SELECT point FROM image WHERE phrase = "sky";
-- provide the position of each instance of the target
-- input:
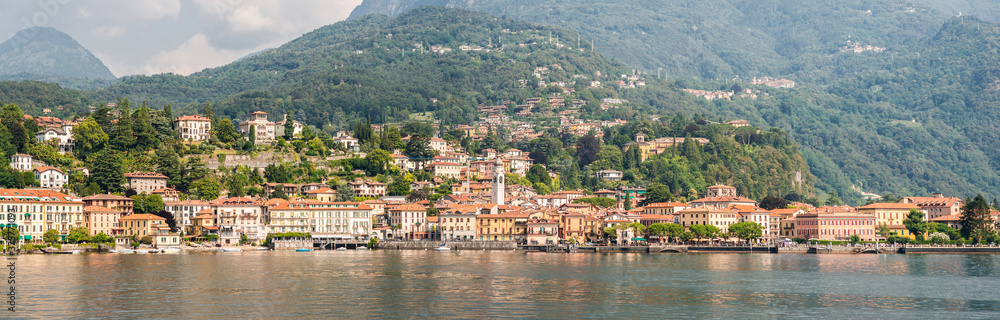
(173, 36)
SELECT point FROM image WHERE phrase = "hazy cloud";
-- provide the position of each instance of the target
(179, 36)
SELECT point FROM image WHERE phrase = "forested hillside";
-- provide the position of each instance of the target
(714, 39)
(906, 121)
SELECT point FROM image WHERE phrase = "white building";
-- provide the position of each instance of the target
(266, 131)
(193, 128)
(51, 178)
(21, 162)
(63, 135)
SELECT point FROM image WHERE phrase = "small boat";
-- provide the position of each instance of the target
(262, 249)
(342, 249)
(303, 250)
(171, 250)
(75, 252)
(141, 251)
(231, 250)
(127, 251)
(112, 251)
(443, 247)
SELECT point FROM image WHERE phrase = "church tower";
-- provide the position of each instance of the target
(498, 182)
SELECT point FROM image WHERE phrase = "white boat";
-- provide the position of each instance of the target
(75, 252)
(171, 250)
(141, 251)
(231, 250)
(112, 251)
(342, 249)
(127, 251)
(442, 248)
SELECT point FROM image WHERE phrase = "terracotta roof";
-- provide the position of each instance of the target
(107, 197)
(951, 217)
(142, 216)
(99, 209)
(890, 206)
(193, 118)
(202, 216)
(718, 186)
(409, 207)
(43, 169)
(145, 175)
(321, 190)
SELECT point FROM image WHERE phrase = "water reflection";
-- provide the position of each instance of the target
(485, 284)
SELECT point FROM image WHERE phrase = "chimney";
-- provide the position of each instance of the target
(937, 195)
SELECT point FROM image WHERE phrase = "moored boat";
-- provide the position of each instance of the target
(303, 250)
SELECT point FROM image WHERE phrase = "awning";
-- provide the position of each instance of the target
(27, 237)
(638, 239)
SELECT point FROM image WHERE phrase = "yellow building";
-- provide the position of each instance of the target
(891, 215)
(708, 215)
(501, 227)
(142, 224)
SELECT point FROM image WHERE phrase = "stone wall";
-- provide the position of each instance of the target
(454, 245)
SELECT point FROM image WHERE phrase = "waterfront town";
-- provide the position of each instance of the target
(424, 187)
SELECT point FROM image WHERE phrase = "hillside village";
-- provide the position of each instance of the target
(414, 182)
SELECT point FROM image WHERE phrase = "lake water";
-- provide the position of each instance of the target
(493, 284)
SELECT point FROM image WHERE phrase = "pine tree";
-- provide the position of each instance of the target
(976, 220)
(289, 126)
(124, 137)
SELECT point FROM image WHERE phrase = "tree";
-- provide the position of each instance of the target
(13, 119)
(608, 158)
(915, 223)
(124, 138)
(657, 193)
(289, 126)
(771, 203)
(170, 220)
(419, 148)
(107, 170)
(345, 193)
(414, 128)
(225, 130)
(147, 203)
(51, 236)
(253, 136)
(597, 201)
(145, 134)
(207, 188)
(628, 203)
(278, 193)
(88, 138)
(666, 230)
(747, 230)
(938, 237)
(102, 238)
(78, 235)
(400, 185)
(168, 164)
(834, 199)
(855, 239)
(542, 189)
(976, 221)
(11, 235)
(378, 161)
(883, 230)
(278, 173)
(587, 148)
(538, 174)
(391, 139)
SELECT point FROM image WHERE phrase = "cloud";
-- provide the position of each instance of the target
(109, 31)
(248, 18)
(152, 36)
(194, 55)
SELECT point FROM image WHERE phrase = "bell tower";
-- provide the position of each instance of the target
(498, 182)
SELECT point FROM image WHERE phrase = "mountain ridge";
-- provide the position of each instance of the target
(50, 52)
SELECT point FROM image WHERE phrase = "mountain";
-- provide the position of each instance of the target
(442, 64)
(46, 51)
(713, 39)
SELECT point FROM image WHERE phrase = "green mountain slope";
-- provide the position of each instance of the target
(713, 39)
(46, 51)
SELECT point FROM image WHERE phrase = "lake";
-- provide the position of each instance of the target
(498, 284)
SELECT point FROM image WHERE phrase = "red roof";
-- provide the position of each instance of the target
(145, 175)
(43, 169)
(193, 118)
